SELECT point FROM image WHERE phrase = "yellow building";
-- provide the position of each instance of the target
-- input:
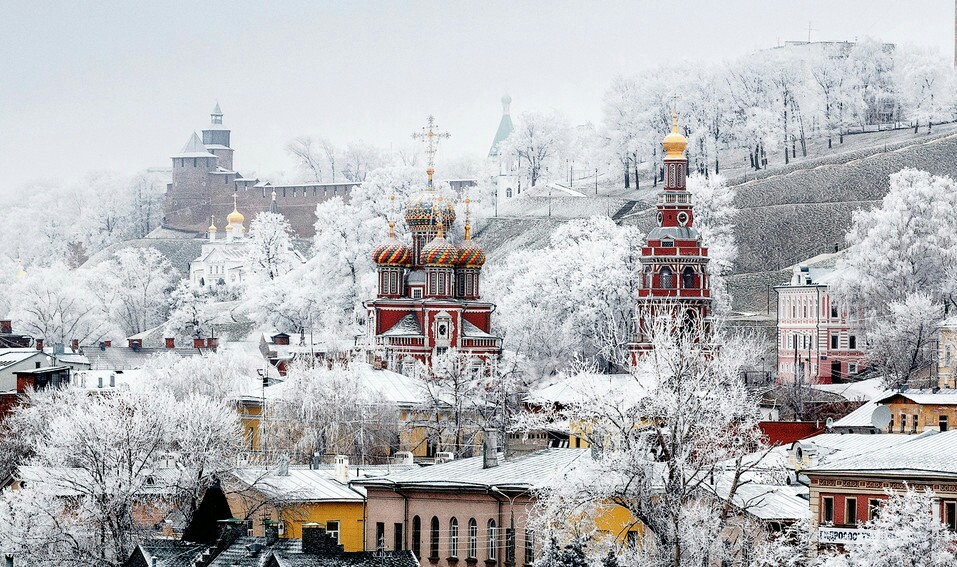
(916, 411)
(294, 496)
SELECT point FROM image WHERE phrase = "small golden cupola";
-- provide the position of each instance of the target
(235, 220)
(674, 143)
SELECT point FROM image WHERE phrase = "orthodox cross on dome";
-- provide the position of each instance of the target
(430, 136)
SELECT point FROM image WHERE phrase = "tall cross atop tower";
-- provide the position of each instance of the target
(430, 136)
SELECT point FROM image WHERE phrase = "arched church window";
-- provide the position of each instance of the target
(664, 278)
(687, 278)
(508, 193)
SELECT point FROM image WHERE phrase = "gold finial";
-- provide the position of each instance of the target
(468, 219)
(674, 123)
(21, 273)
(212, 224)
(439, 228)
(391, 229)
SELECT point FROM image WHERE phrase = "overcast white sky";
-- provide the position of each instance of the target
(120, 85)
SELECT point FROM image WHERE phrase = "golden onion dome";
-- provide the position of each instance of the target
(392, 252)
(427, 209)
(212, 225)
(440, 252)
(235, 218)
(674, 143)
(470, 253)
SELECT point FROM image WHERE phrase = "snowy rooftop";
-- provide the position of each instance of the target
(385, 386)
(769, 501)
(580, 388)
(9, 356)
(929, 454)
(856, 391)
(300, 485)
(944, 397)
(539, 469)
(831, 447)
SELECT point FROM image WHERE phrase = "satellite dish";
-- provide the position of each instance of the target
(881, 417)
(829, 424)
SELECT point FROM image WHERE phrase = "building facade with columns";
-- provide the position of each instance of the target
(674, 275)
(819, 339)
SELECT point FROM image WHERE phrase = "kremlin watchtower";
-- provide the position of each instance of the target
(428, 293)
(674, 262)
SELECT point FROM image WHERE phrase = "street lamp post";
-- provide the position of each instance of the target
(509, 546)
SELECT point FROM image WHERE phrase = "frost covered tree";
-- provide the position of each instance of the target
(102, 469)
(574, 298)
(134, 288)
(190, 314)
(660, 446)
(714, 216)
(270, 245)
(331, 410)
(900, 266)
(904, 534)
(537, 142)
(55, 304)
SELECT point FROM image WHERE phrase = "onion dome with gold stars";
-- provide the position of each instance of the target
(470, 254)
(674, 143)
(392, 252)
(440, 252)
(428, 208)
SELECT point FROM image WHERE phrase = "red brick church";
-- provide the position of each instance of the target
(428, 297)
(674, 278)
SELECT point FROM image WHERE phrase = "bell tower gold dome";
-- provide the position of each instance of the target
(674, 143)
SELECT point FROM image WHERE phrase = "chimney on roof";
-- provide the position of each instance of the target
(199, 343)
(342, 469)
(490, 450)
(212, 342)
(6, 327)
(170, 342)
(75, 345)
(107, 344)
(283, 469)
(39, 344)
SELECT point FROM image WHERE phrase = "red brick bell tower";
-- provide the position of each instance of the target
(674, 262)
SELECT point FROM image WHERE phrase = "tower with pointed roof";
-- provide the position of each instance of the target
(428, 291)
(216, 138)
(674, 260)
(504, 167)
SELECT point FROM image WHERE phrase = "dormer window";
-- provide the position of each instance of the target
(667, 243)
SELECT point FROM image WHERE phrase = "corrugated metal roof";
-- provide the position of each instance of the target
(300, 485)
(539, 469)
(9, 356)
(864, 390)
(917, 455)
(861, 417)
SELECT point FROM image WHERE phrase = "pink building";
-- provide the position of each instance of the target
(818, 338)
(463, 512)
